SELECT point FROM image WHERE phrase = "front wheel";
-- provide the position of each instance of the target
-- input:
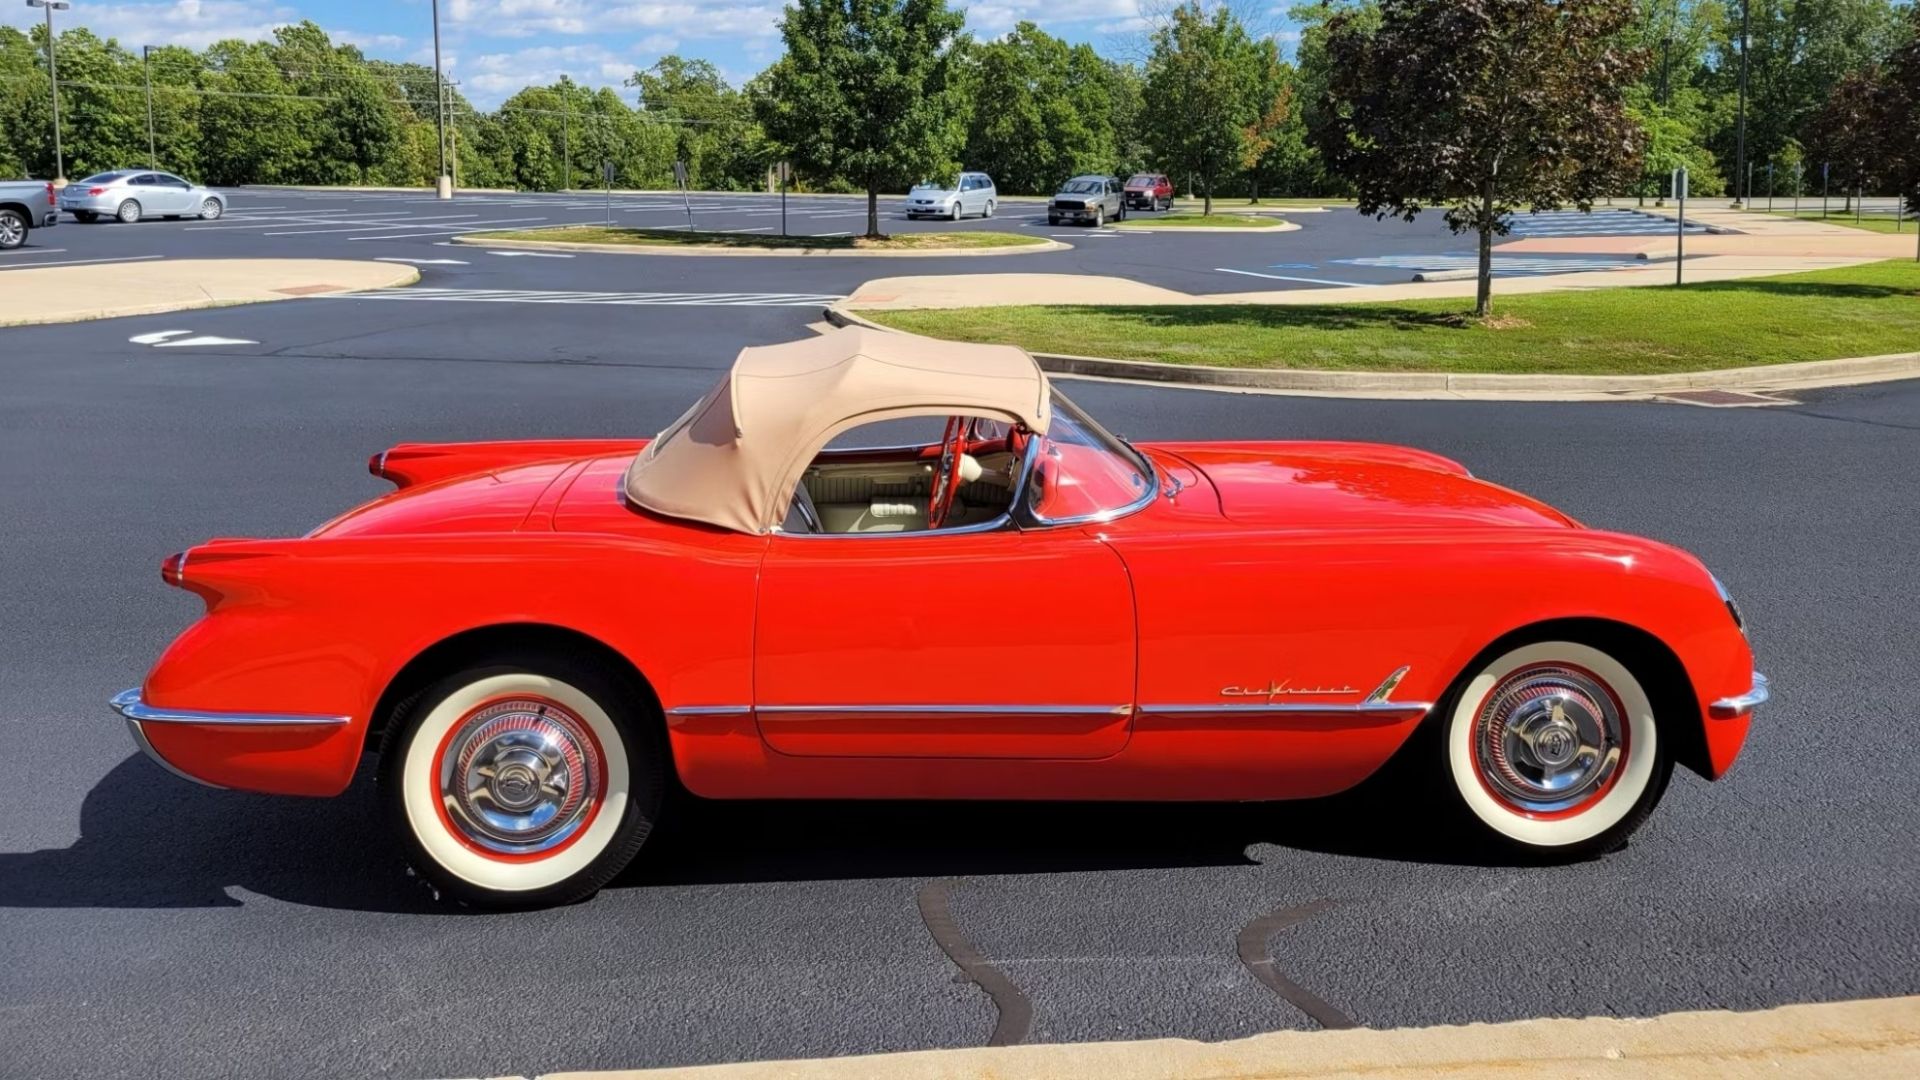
(1099, 216)
(1552, 748)
(524, 783)
(129, 212)
(211, 209)
(988, 212)
(953, 214)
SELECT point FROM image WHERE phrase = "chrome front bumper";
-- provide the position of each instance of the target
(1730, 708)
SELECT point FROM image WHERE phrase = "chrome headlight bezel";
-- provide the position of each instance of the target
(1733, 609)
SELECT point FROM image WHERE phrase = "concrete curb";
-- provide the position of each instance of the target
(1879, 1037)
(1843, 372)
(1204, 230)
(480, 240)
(38, 292)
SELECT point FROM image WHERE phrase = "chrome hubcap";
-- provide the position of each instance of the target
(520, 777)
(1548, 738)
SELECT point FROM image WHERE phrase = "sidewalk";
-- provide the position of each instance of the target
(57, 294)
(1879, 1037)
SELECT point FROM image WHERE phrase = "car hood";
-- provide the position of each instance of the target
(1326, 485)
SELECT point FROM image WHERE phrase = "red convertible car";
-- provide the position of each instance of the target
(542, 639)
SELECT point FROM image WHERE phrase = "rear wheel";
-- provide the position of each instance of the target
(85, 217)
(524, 782)
(128, 212)
(13, 229)
(1553, 748)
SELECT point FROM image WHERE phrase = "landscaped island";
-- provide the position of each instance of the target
(1865, 310)
(683, 238)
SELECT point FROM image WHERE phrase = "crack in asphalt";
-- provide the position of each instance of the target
(1255, 953)
(1009, 1001)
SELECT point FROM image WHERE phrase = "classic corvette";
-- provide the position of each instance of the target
(542, 640)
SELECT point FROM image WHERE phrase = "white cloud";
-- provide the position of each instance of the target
(492, 77)
(194, 24)
(736, 19)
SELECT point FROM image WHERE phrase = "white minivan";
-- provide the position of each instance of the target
(969, 193)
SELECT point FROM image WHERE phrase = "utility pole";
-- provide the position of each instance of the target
(1740, 137)
(146, 66)
(443, 187)
(53, 76)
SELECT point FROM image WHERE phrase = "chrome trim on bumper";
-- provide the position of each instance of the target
(1730, 708)
(140, 739)
(128, 704)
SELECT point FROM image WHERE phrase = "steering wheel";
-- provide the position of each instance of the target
(946, 476)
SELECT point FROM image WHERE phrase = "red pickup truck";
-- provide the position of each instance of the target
(1149, 191)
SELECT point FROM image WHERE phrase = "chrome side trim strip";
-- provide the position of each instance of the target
(140, 739)
(128, 704)
(710, 710)
(1731, 708)
(1363, 708)
(947, 710)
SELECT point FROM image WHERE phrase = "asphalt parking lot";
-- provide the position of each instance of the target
(1331, 248)
(156, 928)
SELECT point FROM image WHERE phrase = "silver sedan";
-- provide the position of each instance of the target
(131, 194)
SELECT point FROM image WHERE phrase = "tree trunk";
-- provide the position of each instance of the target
(1206, 189)
(1483, 297)
(873, 212)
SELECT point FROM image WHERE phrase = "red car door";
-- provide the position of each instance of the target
(1002, 644)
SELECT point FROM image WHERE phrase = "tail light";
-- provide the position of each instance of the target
(96, 191)
(50, 199)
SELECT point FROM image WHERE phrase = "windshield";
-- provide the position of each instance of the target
(941, 185)
(1142, 180)
(1082, 471)
(1081, 187)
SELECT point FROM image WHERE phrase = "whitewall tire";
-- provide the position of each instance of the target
(1552, 747)
(522, 785)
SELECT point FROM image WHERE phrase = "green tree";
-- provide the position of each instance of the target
(1041, 111)
(1483, 107)
(1203, 80)
(703, 121)
(866, 91)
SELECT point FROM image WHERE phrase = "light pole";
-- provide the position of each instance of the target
(444, 186)
(53, 76)
(1740, 137)
(146, 66)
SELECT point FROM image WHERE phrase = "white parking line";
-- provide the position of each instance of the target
(80, 262)
(33, 251)
(365, 225)
(420, 262)
(1283, 277)
(442, 232)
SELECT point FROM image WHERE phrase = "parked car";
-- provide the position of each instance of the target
(1094, 200)
(1149, 191)
(25, 205)
(968, 194)
(131, 194)
(541, 638)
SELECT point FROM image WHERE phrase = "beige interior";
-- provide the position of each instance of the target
(735, 459)
(891, 496)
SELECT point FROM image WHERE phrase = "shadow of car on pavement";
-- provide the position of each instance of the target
(149, 840)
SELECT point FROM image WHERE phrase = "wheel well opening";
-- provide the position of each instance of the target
(461, 650)
(1675, 706)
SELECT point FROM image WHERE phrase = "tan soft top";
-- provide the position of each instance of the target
(734, 458)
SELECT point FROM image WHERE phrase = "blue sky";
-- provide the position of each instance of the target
(494, 47)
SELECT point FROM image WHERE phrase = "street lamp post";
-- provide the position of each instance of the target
(146, 66)
(444, 186)
(1740, 136)
(53, 76)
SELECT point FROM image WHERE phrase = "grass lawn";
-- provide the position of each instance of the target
(1214, 220)
(600, 234)
(1858, 311)
(1881, 223)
